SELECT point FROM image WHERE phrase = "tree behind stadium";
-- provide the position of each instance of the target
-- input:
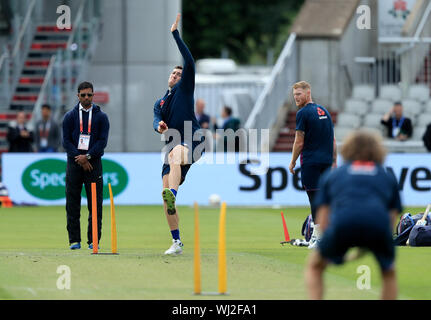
(246, 29)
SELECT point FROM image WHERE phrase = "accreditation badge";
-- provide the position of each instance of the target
(395, 132)
(43, 142)
(84, 141)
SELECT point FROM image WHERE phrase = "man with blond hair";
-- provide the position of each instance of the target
(314, 144)
(349, 219)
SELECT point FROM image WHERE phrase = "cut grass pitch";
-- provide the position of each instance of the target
(34, 243)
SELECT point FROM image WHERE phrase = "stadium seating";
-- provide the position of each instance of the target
(419, 92)
(364, 110)
(390, 92)
(381, 106)
(341, 132)
(418, 133)
(375, 130)
(356, 106)
(347, 120)
(412, 107)
(363, 92)
(424, 120)
(372, 120)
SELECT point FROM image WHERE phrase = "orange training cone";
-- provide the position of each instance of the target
(286, 233)
(6, 202)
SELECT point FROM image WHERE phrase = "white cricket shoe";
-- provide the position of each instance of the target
(314, 241)
(176, 248)
(300, 243)
(315, 237)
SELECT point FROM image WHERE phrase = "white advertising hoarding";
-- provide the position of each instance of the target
(136, 179)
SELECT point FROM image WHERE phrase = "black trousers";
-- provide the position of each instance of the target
(75, 178)
(311, 194)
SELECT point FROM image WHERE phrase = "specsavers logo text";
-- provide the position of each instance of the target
(46, 179)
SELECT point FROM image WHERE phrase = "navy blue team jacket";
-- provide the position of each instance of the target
(99, 132)
(177, 106)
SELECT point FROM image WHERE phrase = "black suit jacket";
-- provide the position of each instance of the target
(427, 138)
(17, 143)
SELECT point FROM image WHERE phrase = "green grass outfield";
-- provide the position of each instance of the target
(33, 244)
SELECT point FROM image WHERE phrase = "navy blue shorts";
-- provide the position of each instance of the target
(310, 175)
(184, 168)
(336, 240)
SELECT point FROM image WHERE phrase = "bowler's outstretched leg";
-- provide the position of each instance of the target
(171, 183)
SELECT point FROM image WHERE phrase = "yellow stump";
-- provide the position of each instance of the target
(222, 274)
(197, 254)
(113, 224)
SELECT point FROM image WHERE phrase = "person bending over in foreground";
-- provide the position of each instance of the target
(357, 205)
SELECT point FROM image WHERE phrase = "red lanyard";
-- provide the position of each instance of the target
(44, 133)
(89, 120)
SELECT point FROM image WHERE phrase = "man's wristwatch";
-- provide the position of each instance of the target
(88, 156)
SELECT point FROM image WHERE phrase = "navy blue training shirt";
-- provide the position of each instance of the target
(99, 132)
(177, 106)
(316, 122)
(357, 193)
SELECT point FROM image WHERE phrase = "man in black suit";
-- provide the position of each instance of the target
(20, 138)
(399, 127)
(426, 138)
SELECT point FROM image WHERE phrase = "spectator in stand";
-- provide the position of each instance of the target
(427, 138)
(229, 122)
(201, 116)
(47, 132)
(399, 127)
(19, 136)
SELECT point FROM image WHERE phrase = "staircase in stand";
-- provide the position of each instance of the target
(286, 135)
(47, 40)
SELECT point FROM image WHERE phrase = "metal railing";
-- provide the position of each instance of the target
(22, 45)
(395, 65)
(46, 92)
(12, 62)
(277, 90)
(212, 93)
(4, 80)
(399, 60)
